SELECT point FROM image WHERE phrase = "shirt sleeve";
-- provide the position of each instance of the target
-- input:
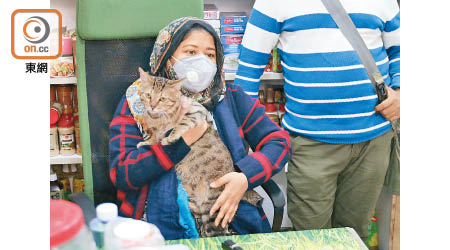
(261, 36)
(270, 144)
(391, 40)
(130, 167)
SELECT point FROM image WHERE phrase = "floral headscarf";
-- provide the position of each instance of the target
(168, 40)
(165, 45)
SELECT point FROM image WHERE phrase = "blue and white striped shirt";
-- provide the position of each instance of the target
(329, 94)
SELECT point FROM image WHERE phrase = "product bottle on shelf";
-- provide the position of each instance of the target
(55, 111)
(271, 108)
(281, 111)
(76, 122)
(106, 212)
(56, 187)
(52, 95)
(261, 96)
(66, 133)
(64, 93)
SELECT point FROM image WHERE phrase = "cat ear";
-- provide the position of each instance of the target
(142, 74)
(177, 83)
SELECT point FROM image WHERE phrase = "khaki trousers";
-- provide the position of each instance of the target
(335, 185)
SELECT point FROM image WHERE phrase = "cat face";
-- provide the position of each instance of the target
(160, 96)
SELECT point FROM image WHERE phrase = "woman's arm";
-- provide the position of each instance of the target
(270, 144)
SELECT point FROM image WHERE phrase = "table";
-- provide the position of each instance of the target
(323, 239)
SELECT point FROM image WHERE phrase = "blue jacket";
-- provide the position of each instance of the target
(147, 174)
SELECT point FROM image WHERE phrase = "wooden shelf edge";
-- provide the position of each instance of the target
(63, 159)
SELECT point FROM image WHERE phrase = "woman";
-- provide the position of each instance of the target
(145, 178)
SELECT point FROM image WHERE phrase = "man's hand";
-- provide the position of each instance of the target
(390, 108)
(227, 204)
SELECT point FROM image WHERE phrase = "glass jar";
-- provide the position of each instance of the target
(66, 135)
(52, 95)
(64, 95)
(54, 142)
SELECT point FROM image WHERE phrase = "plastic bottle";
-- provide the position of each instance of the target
(127, 233)
(67, 228)
(55, 112)
(106, 212)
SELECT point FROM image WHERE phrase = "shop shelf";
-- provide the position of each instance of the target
(64, 80)
(66, 159)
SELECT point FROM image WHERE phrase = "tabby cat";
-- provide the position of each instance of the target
(208, 159)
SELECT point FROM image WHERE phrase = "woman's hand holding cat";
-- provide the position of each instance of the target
(193, 134)
(235, 186)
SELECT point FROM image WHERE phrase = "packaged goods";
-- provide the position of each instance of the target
(270, 93)
(274, 64)
(78, 185)
(210, 11)
(372, 240)
(62, 67)
(261, 96)
(52, 94)
(276, 61)
(67, 46)
(54, 142)
(271, 112)
(74, 48)
(233, 18)
(66, 135)
(56, 187)
(269, 66)
(77, 138)
(66, 188)
(64, 93)
(231, 48)
(232, 29)
(281, 111)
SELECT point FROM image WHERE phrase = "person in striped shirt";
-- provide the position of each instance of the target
(145, 177)
(340, 142)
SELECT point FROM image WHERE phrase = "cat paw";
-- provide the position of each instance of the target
(165, 141)
(142, 143)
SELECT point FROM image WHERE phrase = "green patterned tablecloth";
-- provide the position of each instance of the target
(324, 239)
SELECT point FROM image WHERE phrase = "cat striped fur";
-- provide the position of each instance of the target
(208, 159)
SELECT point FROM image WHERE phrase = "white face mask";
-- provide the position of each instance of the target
(198, 70)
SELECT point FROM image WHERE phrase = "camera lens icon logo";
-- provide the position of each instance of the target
(36, 29)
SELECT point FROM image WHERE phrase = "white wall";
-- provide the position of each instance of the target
(68, 11)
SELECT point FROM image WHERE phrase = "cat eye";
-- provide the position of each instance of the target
(163, 99)
(148, 95)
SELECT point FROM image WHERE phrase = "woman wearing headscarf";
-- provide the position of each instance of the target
(148, 187)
